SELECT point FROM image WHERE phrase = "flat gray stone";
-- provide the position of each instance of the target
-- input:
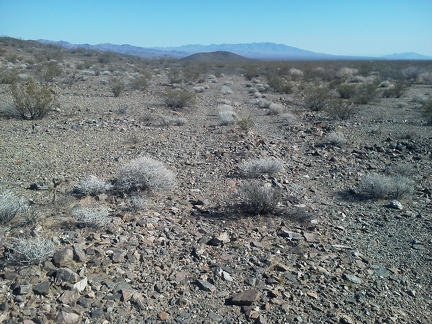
(245, 298)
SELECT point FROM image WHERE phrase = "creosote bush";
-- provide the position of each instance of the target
(376, 186)
(32, 100)
(257, 167)
(30, 250)
(10, 205)
(258, 198)
(316, 98)
(365, 93)
(92, 185)
(91, 216)
(117, 88)
(177, 99)
(340, 109)
(426, 109)
(145, 173)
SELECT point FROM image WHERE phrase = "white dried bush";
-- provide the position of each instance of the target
(258, 198)
(145, 173)
(227, 117)
(91, 216)
(275, 109)
(289, 119)
(30, 250)
(381, 186)
(263, 103)
(336, 139)
(92, 185)
(256, 167)
(137, 203)
(10, 205)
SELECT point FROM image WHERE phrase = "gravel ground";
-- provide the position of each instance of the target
(192, 254)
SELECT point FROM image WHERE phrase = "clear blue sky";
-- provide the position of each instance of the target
(352, 27)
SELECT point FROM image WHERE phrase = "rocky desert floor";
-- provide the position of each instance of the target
(191, 254)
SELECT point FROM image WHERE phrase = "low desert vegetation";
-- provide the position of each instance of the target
(316, 97)
(92, 186)
(426, 109)
(258, 198)
(32, 100)
(31, 250)
(145, 173)
(91, 216)
(365, 93)
(245, 123)
(10, 205)
(288, 119)
(117, 87)
(275, 109)
(256, 167)
(340, 109)
(336, 139)
(227, 117)
(177, 99)
(379, 186)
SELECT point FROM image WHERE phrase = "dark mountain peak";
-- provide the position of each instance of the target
(217, 56)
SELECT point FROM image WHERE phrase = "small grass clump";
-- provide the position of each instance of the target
(29, 250)
(378, 186)
(178, 99)
(340, 109)
(145, 173)
(257, 198)
(10, 206)
(257, 167)
(246, 123)
(94, 216)
(227, 117)
(32, 100)
(92, 186)
(336, 139)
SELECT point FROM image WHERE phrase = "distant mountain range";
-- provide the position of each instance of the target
(259, 51)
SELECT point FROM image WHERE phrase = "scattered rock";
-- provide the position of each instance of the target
(245, 298)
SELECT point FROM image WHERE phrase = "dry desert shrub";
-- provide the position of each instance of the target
(275, 109)
(378, 186)
(340, 109)
(426, 109)
(246, 123)
(178, 99)
(336, 139)
(257, 167)
(258, 198)
(145, 173)
(365, 93)
(288, 119)
(92, 186)
(140, 83)
(91, 216)
(227, 117)
(29, 250)
(32, 100)
(346, 91)
(316, 98)
(117, 87)
(10, 205)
